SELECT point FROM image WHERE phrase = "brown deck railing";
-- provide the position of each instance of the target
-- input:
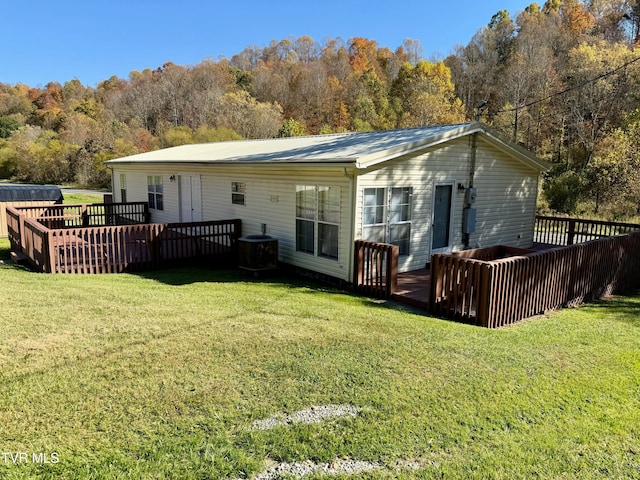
(126, 248)
(458, 281)
(118, 242)
(14, 227)
(36, 244)
(503, 291)
(569, 231)
(87, 215)
(376, 268)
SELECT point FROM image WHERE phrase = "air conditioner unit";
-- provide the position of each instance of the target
(258, 253)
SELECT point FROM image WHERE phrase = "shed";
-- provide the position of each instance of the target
(428, 190)
(18, 195)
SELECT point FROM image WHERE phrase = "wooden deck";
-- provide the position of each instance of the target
(115, 238)
(413, 288)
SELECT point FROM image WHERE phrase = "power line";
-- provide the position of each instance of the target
(575, 87)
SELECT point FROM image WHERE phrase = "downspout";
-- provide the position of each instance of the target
(352, 233)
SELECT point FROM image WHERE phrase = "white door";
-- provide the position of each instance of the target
(441, 223)
(190, 198)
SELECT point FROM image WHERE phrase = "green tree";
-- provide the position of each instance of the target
(176, 136)
(8, 125)
(292, 128)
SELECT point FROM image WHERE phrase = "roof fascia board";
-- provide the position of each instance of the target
(368, 161)
(521, 153)
(341, 163)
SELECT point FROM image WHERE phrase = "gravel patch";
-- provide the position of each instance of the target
(318, 414)
(337, 467)
(303, 469)
(309, 415)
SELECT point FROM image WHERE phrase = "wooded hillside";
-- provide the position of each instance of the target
(562, 79)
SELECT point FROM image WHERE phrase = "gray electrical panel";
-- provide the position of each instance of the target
(469, 220)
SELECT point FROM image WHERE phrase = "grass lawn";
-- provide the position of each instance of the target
(74, 198)
(162, 375)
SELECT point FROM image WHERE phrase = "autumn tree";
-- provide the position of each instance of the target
(602, 89)
(424, 95)
(246, 116)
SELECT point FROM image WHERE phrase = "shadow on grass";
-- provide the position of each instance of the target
(191, 275)
(622, 308)
(5, 253)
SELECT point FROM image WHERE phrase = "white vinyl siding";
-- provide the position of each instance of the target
(505, 203)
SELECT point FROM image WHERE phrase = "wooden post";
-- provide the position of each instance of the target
(572, 231)
(392, 270)
(50, 255)
(484, 295)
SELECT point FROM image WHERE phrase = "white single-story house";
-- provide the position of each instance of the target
(428, 190)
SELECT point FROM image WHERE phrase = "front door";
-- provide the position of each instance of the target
(190, 198)
(441, 225)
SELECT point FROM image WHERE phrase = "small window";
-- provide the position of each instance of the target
(155, 192)
(123, 188)
(238, 190)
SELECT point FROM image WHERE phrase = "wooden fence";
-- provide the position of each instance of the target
(74, 248)
(569, 231)
(376, 268)
(494, 293)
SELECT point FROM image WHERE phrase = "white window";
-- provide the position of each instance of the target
(386, 216)
(123, 188)
(318, 220)
(238, 190)
(155, 192)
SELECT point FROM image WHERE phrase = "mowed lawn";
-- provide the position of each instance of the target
(162, 375)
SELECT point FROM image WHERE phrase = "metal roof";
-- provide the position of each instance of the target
(28, 193)
(361, 149)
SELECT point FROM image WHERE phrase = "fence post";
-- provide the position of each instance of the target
(50, 256)
(84, 216)
(484, 295)
(392, 270)
(572, 231)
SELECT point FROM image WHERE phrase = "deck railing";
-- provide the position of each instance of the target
(14, 227)
(569, 231)
(376, 268)
(126, 248)
(36, 244)
(503, 291)
(88, 215)
(111, 238)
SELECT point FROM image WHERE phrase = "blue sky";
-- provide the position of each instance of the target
(42, 41)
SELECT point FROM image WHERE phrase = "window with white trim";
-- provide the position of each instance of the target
(123, 188)
(238, 191)
(386, 216)
(155, 192)
(318, 220)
